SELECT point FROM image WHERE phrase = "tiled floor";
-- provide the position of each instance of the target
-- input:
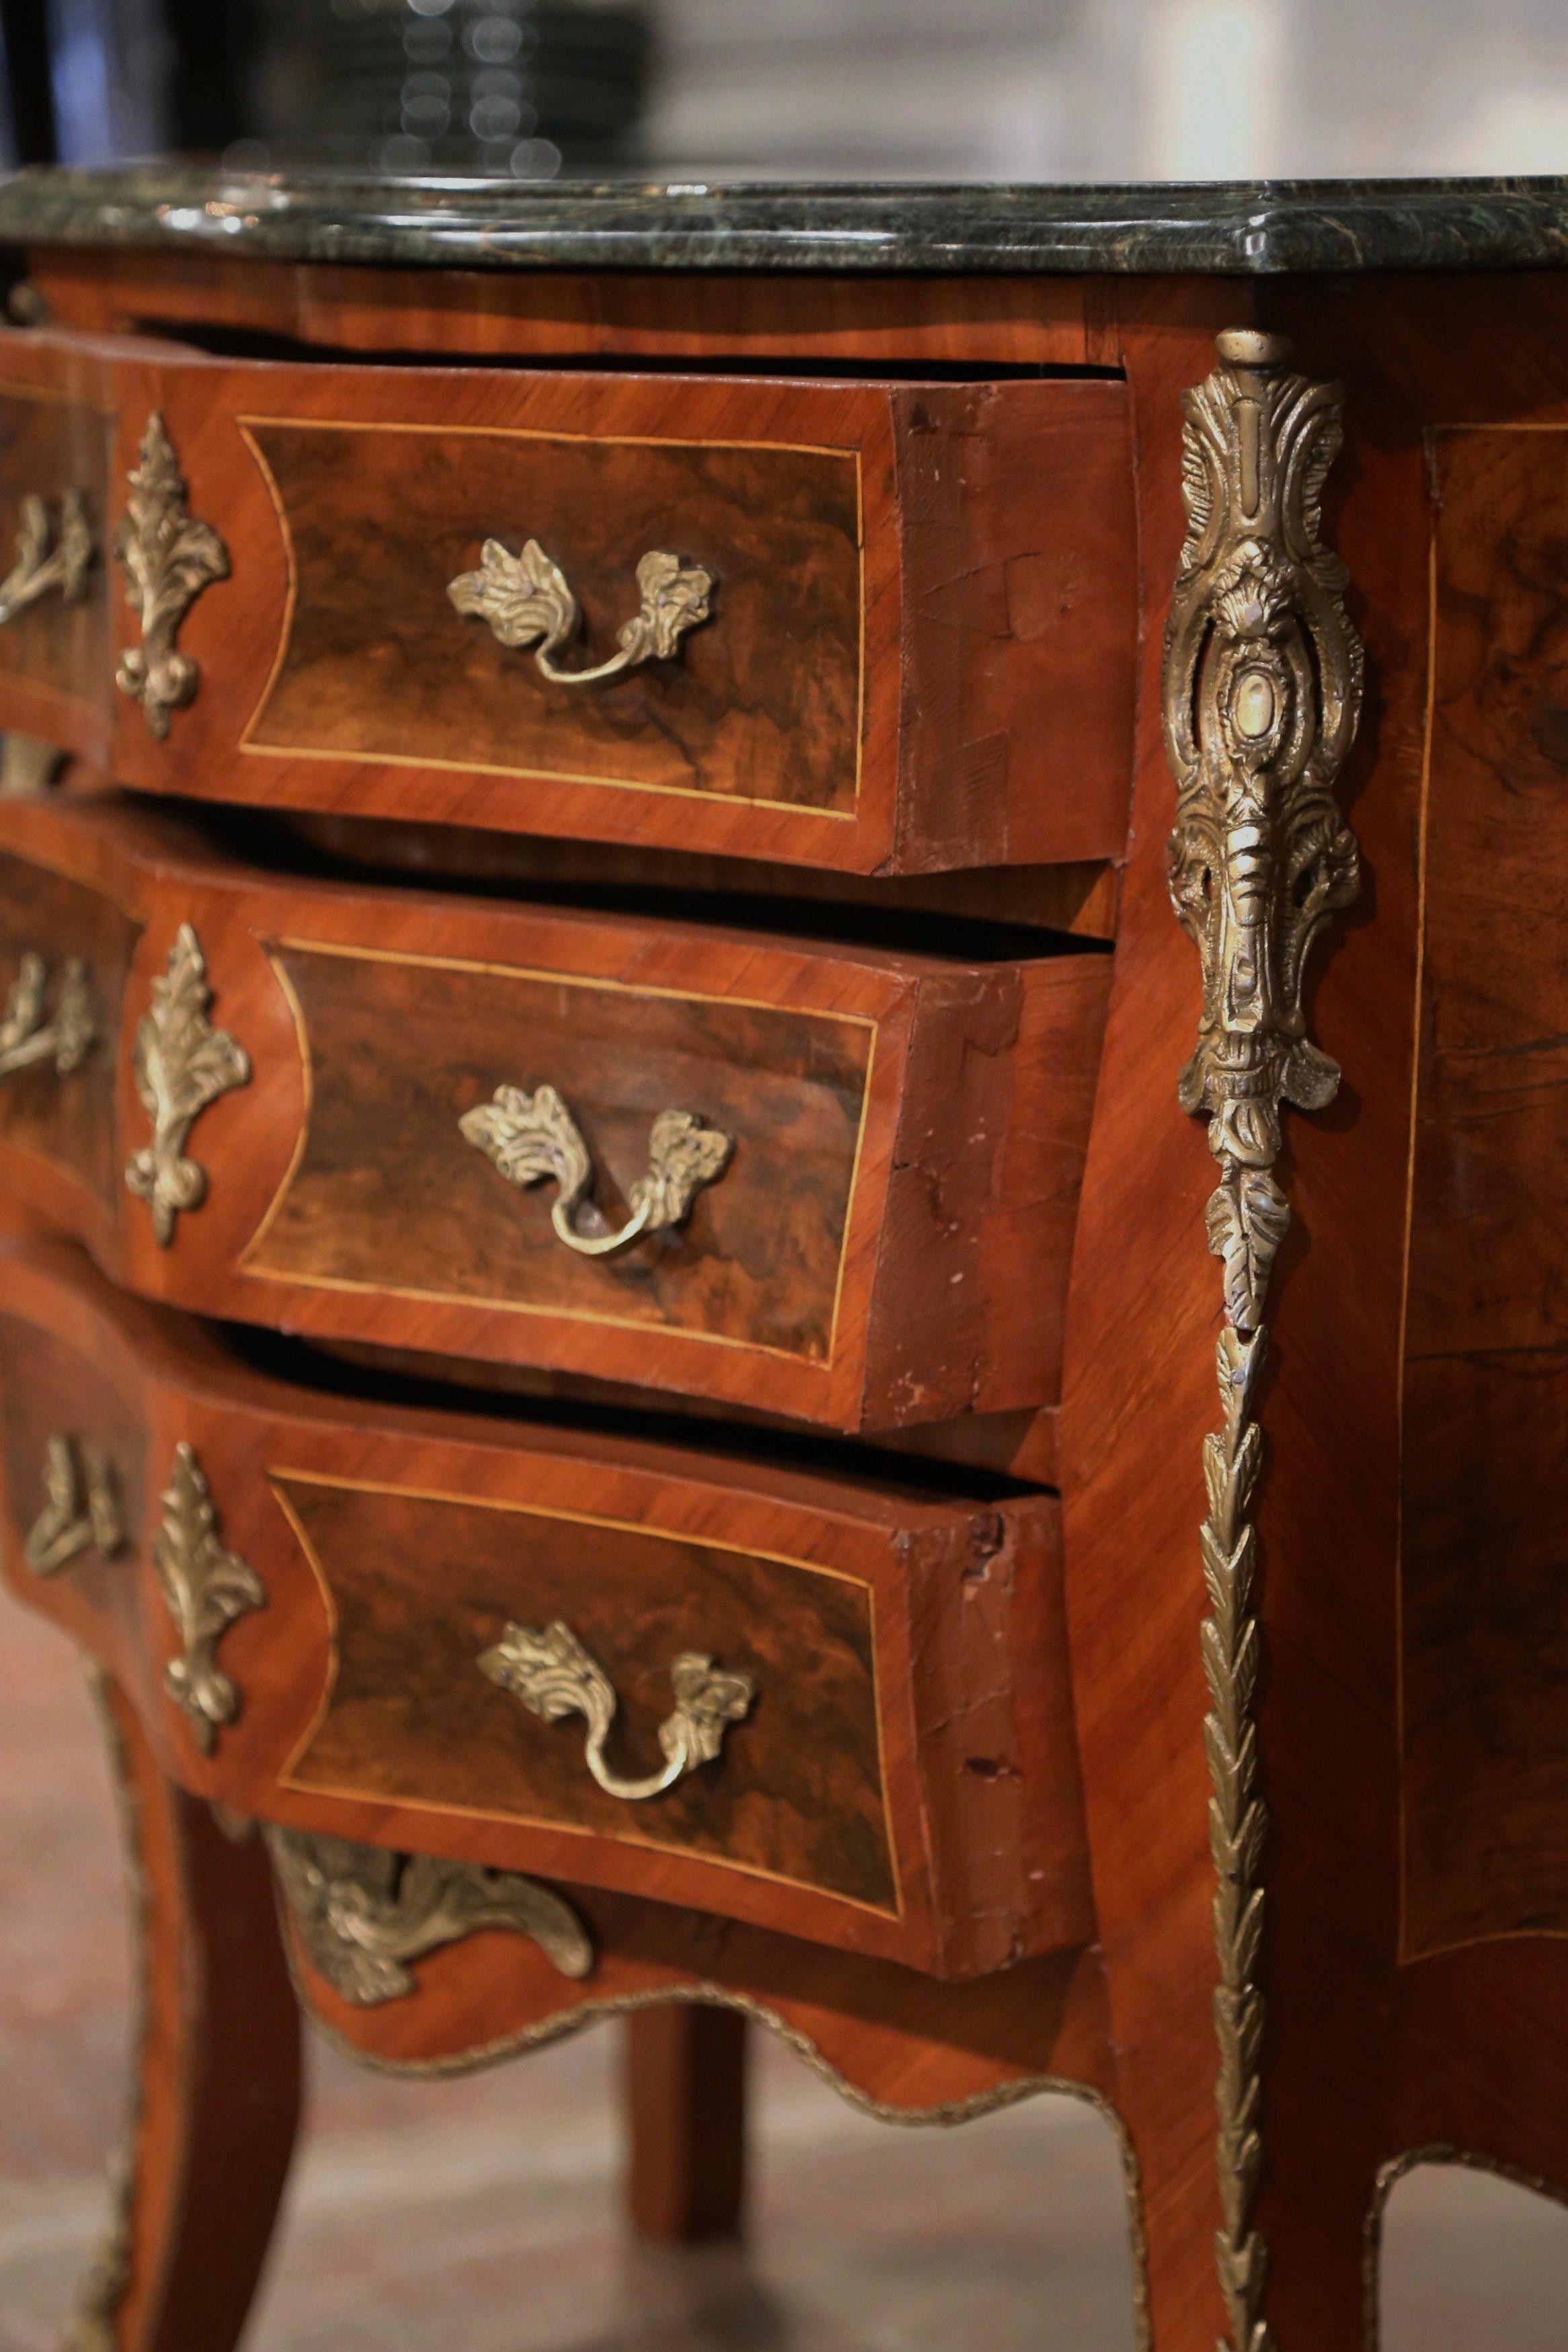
(480, 2216)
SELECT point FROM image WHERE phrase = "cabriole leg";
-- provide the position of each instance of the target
(215, 2075)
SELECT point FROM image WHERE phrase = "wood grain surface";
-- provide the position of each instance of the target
(1372, 2050)
(420, 1587)
(686, 2106)
(1137, 1396)
(918, 2048)
(902, 1126)
(713, 318)
(386, 1195)
(1078, 898)
(1485, 1636)
(906, 1784)
(762, 702)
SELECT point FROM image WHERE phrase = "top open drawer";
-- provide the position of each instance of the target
(878, 626)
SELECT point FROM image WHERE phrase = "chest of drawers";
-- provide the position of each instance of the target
(611, 1287)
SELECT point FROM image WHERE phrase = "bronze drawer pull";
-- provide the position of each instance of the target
(525, 600)
(26, 1038)
(550, 1671)
(81, 1510)
(40, 566)
(530, 1135)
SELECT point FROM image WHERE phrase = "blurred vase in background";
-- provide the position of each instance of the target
(518, 88)
(509, 87)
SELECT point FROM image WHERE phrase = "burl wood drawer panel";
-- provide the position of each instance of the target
(891, 1765)
(819, 1181)
(889, 626)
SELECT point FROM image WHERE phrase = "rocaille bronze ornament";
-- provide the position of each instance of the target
(180, 1065)
(168, 558)
(549, 1669)
(525, 600)
(365, 1914)
(206, 1587)
(1261, 698)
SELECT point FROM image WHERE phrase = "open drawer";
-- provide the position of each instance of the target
(881, 627)
(824, 1707)
(827, 1182)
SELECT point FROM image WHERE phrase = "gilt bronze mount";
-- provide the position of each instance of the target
(548, 1668)
(525, 600)
(204, 1587)
(30, 1035)
(529, 1137)
(168, 558)
(181, 1063)
(1261, 698)
(50, 555)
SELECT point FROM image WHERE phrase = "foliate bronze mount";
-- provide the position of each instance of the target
(363, 1912)
(1261, 698)
(530, 1136)
(168, 558)
(80, 1510)
(525, 600)
(30, 1035)
(550, 1671)
(49, 556)
(180, 1063)
(205, 1588)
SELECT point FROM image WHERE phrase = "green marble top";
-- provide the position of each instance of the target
(1249, 228)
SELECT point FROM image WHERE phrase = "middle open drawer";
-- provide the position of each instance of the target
(827, 1182)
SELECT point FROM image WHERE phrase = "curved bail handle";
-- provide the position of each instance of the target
(550, 1671)
(528, 1137)
(525, 600)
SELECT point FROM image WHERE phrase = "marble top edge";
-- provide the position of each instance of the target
(1242, 227)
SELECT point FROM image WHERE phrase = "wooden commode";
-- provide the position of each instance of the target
(702, 893)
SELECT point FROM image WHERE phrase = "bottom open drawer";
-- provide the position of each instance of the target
(828, 1707)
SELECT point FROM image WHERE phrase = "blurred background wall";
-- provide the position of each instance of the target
(991, 88)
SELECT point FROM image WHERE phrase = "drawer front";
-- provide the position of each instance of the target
(792, 1177)
(398, 1627)
(873, 627)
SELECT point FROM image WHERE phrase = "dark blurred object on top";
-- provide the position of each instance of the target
(211, 66)
(502, 85)
(31, 136)
(511, 86)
